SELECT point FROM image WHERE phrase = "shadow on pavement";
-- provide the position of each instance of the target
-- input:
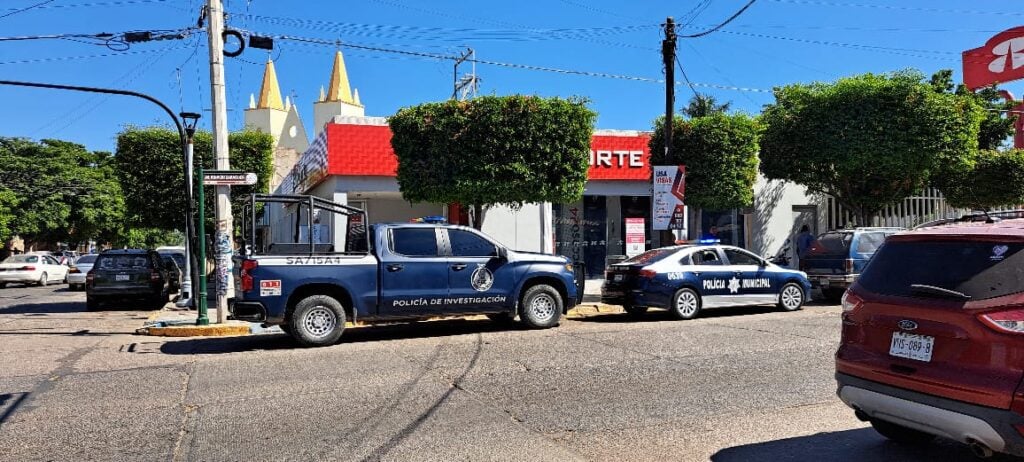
(44, 308)
(262, 342)
(848, 446)
(658, 315)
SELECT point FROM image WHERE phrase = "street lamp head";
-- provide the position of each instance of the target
(190, 119)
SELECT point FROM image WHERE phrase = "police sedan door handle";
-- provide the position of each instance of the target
(393, 268)
(459, 266)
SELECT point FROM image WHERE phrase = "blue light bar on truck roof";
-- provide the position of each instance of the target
(433, 219)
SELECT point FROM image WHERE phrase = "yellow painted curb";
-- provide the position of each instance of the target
(199, 331)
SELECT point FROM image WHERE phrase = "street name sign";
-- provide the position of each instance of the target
(228, 178)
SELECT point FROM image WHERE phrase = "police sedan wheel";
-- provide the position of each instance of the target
(317, 320)
(791, 298)
(686, 304)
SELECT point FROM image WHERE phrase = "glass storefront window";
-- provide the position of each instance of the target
(593, 231)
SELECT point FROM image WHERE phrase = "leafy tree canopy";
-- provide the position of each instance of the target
(868, 140)
(995, 179)
(493, 150)
(720, 155)
(996, 127)
(151, 171)
(62, 192)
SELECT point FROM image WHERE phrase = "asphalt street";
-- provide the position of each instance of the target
(734, 385)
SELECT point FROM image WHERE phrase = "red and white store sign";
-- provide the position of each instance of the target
(615, 157)
(365, 150)
(999, 61)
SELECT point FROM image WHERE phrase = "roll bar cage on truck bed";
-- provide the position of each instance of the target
(299, 216)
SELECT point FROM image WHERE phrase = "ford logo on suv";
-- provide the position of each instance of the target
(907, 324)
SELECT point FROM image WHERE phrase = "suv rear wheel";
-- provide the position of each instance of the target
(318, 320)
(900, 433)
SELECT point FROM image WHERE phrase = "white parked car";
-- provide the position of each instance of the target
(76, 275)
(33, 268)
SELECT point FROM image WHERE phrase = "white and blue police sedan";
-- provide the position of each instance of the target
(685, 279)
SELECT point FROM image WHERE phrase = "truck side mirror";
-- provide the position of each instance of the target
(502, 252)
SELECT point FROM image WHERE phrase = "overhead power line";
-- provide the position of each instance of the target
(436, 56)
(722, 24)
(898, 8)
(45, 6)
(16, 11)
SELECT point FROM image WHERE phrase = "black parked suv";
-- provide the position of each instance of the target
(127, 274)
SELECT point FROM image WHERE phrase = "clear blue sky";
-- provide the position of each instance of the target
(774, 43)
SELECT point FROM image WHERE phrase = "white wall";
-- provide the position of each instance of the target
(517, 229)
(773, 221)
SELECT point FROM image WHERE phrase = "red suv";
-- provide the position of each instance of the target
(933, 337)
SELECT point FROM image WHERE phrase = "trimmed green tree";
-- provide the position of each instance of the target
(720, 155)
(869, 140)
(508, 150)
(151, 171)
(995, 179)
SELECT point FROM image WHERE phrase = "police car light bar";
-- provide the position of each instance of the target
(709, 241)
(433, 219)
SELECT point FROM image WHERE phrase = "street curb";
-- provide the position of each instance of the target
(214, 330)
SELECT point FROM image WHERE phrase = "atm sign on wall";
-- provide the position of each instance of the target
(614, 157)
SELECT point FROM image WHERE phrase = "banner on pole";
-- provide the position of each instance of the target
(669, 190)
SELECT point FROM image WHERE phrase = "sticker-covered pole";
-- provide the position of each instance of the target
(203, 319)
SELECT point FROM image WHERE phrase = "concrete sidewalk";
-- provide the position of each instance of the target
(174, 322)
(170, 322)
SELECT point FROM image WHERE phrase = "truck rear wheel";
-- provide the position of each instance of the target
(318, 320)
(541, 307)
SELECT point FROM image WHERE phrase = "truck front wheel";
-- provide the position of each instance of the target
(318, 320)
(541, 307)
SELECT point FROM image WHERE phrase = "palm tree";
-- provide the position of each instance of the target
(704, 105)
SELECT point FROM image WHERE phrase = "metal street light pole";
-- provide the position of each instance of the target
(190, 224)
(190, 119)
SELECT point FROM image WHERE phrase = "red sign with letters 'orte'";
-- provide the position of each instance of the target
(365, 150)
(619, 157)
(999, 61)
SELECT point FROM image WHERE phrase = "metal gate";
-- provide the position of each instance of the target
(910, 212)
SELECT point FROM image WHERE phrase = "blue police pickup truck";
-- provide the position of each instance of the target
(385, 272)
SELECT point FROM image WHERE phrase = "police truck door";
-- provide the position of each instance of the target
(414, 276)
(478, 279)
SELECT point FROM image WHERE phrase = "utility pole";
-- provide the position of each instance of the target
(468, 83)
(225, 225)
(668, 54)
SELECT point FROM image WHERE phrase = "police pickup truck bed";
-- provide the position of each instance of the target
(410, 271)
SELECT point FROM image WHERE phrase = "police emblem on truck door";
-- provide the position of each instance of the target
(482, 279)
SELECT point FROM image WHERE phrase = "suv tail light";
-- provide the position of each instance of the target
(154, 276)
(848, 265)
(649, 274)
(851, 301)
(244, 274)
(90, 277)
(1010, 321)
